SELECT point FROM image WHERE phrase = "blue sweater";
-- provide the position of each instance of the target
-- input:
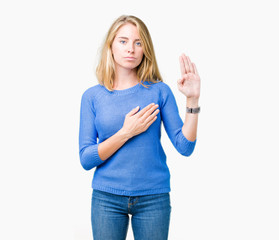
(139, 167)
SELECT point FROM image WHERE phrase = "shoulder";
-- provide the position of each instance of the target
(159, 85)
(164, 89)
(92, 92)
(163, 86)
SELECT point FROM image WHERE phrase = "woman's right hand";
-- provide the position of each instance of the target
(138, 122)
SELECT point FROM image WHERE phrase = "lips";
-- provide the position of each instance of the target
(130, 58)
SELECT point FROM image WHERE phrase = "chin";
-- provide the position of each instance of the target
(130, 66)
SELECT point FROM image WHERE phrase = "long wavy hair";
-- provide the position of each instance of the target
(147, 70)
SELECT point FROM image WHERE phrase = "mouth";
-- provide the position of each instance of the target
(130, 58)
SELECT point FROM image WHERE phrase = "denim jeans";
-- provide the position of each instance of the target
(150, 216)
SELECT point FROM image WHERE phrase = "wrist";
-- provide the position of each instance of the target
(192, 102)
(126, 136)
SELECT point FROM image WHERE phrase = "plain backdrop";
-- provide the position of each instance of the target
(227, 189)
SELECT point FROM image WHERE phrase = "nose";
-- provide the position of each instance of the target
(131, 48)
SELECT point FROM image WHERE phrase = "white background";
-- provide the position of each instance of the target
(227, 189)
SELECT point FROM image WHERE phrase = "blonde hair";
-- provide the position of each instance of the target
(147, 69)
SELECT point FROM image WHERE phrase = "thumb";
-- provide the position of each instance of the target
(179, 81)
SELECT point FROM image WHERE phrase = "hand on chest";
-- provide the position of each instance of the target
(111, 116)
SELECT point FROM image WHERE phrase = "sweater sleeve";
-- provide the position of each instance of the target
(173, 123)
(88, 146)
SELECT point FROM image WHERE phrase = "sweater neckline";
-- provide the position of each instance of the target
(125, 91)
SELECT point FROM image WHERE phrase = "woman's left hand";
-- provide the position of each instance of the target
(189, 83)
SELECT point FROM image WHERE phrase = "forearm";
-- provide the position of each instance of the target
(112, 144)
(189, 129)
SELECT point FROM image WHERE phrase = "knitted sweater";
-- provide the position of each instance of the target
(138, 167)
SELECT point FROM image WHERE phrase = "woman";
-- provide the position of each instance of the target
(124, 111)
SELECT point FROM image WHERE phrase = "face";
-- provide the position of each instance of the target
(127, 48)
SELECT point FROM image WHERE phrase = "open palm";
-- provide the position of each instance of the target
(189, 83)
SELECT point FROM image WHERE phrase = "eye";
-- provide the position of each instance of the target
(139, 43)
(122, 41)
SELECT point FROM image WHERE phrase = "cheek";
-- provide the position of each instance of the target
(115, 48)
(116, 52)
(141, 54)
(140, 59)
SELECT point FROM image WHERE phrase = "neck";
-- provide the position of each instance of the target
(125, 78)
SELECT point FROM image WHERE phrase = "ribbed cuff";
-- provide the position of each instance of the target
(90, 158)
(95, 154)
(186, 146)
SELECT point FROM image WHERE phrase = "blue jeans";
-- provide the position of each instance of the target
(110, 216)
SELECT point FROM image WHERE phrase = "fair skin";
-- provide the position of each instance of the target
(127, 44)
(189, 84)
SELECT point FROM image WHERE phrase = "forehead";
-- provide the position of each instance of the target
(128, 30)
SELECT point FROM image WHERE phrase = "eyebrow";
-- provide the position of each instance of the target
(128, 38)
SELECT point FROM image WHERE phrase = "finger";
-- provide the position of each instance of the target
(182, 67)
(151, 121)
(179, 81)
(187, 67)
(133, 111)
(150, 112)
(190, 64)
(152, 117)
(195, 69)
(155, 112)
(145, 109)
